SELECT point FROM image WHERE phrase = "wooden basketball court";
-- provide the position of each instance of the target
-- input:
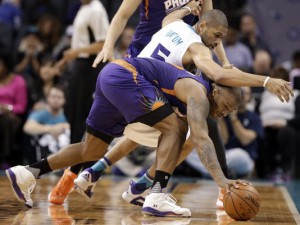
(107, 206)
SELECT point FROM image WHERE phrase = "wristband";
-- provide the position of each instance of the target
(265, 82)
(187, 7)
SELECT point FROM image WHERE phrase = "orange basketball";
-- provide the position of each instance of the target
(242, 203)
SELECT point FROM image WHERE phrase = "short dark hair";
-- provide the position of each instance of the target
(59, 87)
(214, 17)
(235, 91)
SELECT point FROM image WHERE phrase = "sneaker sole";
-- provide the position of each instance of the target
(153, 212)
(15, 187)
(55, 202)
(82, 191)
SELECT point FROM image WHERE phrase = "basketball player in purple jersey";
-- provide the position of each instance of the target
(177, 33)
(152, 13)
(144, 90)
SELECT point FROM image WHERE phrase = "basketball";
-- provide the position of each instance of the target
(242, 203)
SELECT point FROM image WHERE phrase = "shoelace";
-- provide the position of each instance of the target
(170, 198)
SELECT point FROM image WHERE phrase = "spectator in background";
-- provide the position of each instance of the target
(30, 53)
(35, 9)
(10, 13)
(38, 89)
(295, 72)
(274, 117)
(49, 30)
(242, 132)
(262, 64)
(89, 32)
(48, 76)
(49, 126)
(13, 101)
(124, 42)
(250, 36)
(237, 53)
(289, 142)
(10, 21)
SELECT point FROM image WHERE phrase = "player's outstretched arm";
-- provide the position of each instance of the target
(222, 57)
(236, 78)
(117, 26)
(193, 94)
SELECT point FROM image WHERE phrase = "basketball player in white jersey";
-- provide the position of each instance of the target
(183, 45)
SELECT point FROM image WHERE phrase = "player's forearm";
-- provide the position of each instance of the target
(236, 78)
(176, 15)
(207, 5)
(115, 30)
(220, 53)
(197, 112)
(208, 157)
(229, 77)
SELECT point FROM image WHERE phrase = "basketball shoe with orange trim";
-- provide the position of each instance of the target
(64, 186)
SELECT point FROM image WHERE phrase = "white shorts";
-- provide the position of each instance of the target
(144, 134)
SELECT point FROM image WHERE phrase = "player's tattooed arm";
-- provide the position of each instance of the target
(197, 112)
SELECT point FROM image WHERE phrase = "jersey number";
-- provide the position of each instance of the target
(159, 52)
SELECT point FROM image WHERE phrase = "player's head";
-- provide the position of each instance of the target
(212, 27)
(56, 97)
(224, 100)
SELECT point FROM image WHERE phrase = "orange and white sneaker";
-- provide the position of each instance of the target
(219, 202)
(64, 186)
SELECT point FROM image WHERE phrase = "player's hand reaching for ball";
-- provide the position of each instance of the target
(235, 183)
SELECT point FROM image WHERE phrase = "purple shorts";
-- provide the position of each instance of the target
(123, 96)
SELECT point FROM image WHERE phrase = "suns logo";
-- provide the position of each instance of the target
(150, 105)
(170, 4)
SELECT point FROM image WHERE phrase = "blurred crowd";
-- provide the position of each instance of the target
(36, 72)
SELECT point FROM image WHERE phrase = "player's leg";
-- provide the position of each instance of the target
(137, 190)
(92, 148)
(23, 178)
(158, 203)
(135, 134)
(121, 149)
(65, 185)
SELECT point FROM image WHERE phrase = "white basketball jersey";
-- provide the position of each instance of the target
(171, 42)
